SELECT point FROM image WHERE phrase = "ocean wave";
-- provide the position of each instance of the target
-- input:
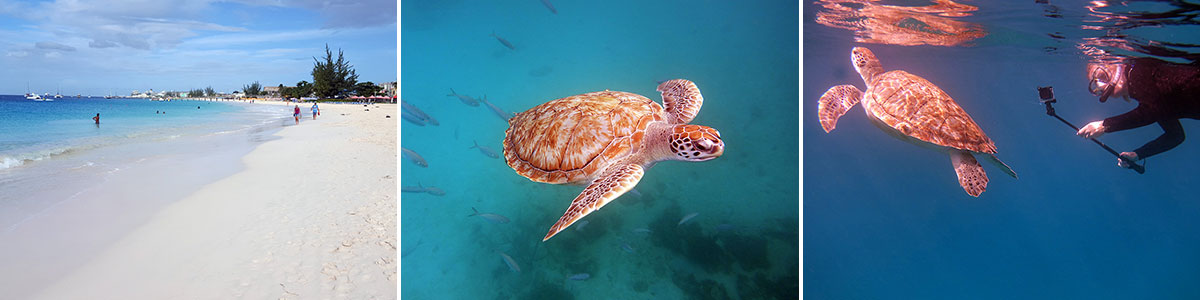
(8, 161)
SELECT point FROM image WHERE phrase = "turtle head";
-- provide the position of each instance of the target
(696, 143)
(865, 63)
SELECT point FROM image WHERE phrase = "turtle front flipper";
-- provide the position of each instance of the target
(971, 176)
(681, 100)
(611, 185)
(835, 102)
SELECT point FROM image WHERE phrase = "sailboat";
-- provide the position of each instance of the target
(31, 96)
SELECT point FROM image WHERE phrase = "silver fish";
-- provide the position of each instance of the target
(414, 157)
(687, 217)
(493, 218)
(579, 277)
(433, 190)
(581, 224)
(413, 110)
(627, 247)
(431, 120)
(635, 192)
(512, 264)
(485, 150)
(464, 98)
(412, 189)
(411, 118)
(503, 41)
(496, 109)
(550, 6)
(642, 231)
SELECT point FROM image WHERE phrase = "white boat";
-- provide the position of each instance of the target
(34, 97)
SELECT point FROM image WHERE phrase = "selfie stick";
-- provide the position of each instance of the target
(1047, 95)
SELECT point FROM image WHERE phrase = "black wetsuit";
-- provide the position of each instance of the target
(1166, 92)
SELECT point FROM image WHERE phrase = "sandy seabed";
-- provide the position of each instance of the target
(312, 216)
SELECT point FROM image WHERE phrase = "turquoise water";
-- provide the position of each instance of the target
(38, 130)
(884, 219)
(742, 244)
(71, 188)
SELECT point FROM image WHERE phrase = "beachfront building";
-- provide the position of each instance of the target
(389, 88)
(271, 91)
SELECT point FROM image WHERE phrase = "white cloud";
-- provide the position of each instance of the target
(221, 40)
(53, 46)
(102, 44)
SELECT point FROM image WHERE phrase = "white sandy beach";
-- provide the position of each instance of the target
(312, 216)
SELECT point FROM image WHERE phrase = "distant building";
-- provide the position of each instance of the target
(271, 91)
(389, 88)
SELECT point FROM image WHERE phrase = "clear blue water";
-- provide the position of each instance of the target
(744, 242)
(38, 130)
(884, 219)
(71, 188)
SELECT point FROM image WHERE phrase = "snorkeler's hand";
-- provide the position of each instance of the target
(1092, 130)
(1131, 156)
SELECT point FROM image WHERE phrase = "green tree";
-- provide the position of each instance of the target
(302, 89)
(366, 89)
(196, 93)
(253, 89)
(208, 91)
(332, 77)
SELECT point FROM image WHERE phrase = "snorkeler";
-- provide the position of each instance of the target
(1165, 91)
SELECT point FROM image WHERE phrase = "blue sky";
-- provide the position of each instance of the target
(115, 47)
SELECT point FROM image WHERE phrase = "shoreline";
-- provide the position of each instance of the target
(311, 214)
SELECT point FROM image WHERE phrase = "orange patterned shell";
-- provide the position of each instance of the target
(573, 139)
(917, 108)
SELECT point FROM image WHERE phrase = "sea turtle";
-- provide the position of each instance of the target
(607, 140)
(914, 110)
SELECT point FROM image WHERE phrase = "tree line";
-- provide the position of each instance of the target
(332, 78)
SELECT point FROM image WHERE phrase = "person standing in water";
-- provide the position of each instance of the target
(315, 111)
(96, 118)
(1165, 92)
(296, 114)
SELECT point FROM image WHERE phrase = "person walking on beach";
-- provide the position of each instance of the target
(315, 111)
(296, 114)
(96, 118)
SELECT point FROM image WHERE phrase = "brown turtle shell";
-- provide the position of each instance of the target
(574, 139)
(919, 109)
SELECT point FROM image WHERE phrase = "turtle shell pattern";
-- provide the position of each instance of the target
(574, 139)
(918, 108)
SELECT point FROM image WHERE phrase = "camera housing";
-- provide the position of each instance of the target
(1047, 94)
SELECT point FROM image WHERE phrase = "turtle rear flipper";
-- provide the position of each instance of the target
(971, 176)
(999, 164)
(835, 102)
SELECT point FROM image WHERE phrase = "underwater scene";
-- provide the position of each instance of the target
(908, 194)
(724, 227)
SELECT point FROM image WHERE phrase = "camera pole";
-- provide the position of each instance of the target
(1047, 95)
